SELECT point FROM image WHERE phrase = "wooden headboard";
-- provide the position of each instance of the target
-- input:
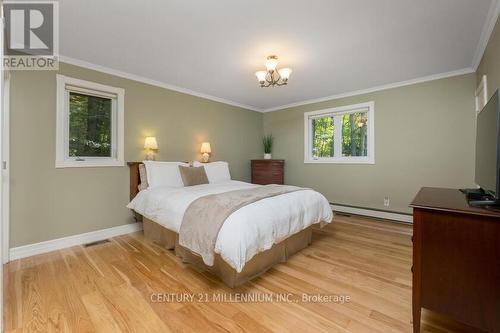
(134, 178)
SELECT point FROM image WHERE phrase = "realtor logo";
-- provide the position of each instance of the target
(31, 35)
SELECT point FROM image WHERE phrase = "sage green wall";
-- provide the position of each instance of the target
(48, 203)
(424, 136)
(490, 63)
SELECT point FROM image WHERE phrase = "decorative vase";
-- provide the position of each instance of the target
(267, 156)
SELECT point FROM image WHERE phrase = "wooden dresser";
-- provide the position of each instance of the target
(266, 172)
(456, 259)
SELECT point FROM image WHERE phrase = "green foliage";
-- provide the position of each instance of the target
(353, 134)
(323, 133)
(89, 126)
(267, 142)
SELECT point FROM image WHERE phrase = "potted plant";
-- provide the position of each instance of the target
(267, 142)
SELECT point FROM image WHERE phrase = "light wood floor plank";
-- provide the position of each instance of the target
(108, 287)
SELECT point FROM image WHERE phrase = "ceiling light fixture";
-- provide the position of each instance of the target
(272, 77)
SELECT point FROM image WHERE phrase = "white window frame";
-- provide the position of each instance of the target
(64, 86)
(368, 107)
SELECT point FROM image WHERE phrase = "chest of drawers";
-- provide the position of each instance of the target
(266, 172)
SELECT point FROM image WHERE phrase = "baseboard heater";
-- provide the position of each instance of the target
(372, 212)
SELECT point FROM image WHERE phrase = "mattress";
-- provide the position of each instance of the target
(248, 231)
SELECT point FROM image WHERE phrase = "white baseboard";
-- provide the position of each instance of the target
(61, 243)
(94, 236)
(373, 213)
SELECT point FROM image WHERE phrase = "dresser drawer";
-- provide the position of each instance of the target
(267, 166)
(267, 172)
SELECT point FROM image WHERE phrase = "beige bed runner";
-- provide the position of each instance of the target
(205, 216)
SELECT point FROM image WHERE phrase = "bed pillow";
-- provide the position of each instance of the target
(164, 174)
(193, 175)
(217, 172)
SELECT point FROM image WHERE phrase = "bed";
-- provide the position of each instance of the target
(251, 239)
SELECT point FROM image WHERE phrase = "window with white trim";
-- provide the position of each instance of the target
(340, 135)
(90, 118)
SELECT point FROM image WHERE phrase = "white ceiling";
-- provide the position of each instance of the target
(333, 46)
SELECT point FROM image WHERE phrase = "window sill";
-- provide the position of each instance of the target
(366, 160)
(89, 164)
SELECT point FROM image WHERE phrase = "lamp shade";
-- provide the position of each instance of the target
(261, 76)
(205, 148)
(150, 143)
(285, 73)
(271, 63)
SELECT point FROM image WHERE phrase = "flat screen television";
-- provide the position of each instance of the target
(487, 175)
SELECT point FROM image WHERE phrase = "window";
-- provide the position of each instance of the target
(340, 135)
(89, 124)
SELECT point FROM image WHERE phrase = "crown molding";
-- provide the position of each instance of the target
(375, 89)
(138, 78)
(488, 27)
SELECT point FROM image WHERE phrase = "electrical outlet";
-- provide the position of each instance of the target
(387, 201)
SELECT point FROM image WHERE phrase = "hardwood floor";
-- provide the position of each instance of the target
(115, 286)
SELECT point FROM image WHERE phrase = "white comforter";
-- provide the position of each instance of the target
(248, 231)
